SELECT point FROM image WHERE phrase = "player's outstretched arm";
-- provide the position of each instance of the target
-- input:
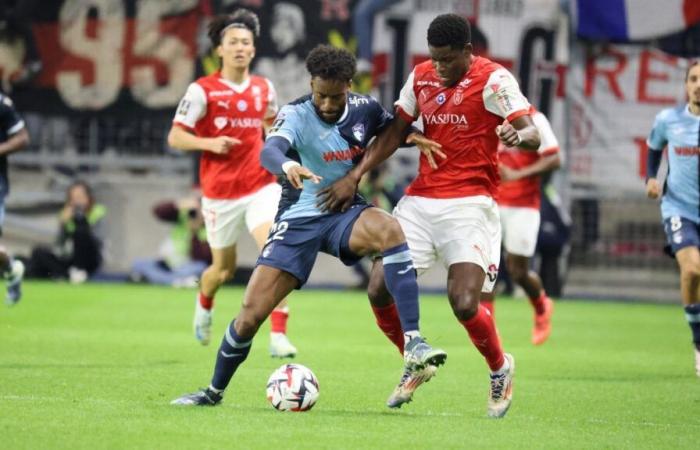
(181, 139)
(339, 196)
(542, 165)
(15, 143)
(522, 133)
(274, 158)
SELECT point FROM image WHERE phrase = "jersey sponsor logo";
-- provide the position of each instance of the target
(342, 155)
(358, 130)
(223, 103)
(237, 122)
(464, 83)
(440, 99)
(427, 83)
(445, 119)
(220, 93)
(687, 151)
(504, 99)
(242, 105)
(246, 122)
(277, 124)
(357, 101)
(220, 122)
(183, 107)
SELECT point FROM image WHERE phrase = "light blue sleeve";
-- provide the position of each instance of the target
(657, 137)
(288, 125)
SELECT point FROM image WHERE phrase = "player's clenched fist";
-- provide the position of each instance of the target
(221, 145)
(508, 135)
(653, 188)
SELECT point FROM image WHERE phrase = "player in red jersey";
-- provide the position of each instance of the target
(519, 207)
(223, 116)
(467, 104)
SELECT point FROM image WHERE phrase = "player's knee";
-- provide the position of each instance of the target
(518, 272)
(465, 304)
(223, 275)
(392, 234)
(690, 274)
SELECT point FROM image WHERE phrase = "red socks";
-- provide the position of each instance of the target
(388, 321)
(278, 320)
(482, 331)
(206, 302)
(538, 303)
(488, 304)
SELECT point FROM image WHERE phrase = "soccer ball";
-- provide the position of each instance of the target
(292, 387)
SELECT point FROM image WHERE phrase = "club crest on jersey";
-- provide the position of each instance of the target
(457, 99)
(440, 99)
(358, 131)
(220, 122)
(242, 105)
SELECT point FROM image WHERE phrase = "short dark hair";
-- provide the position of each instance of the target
(331, 63)
(240, 18)
(690, 66)
(449, 30)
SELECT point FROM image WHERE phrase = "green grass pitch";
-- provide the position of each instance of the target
(95, 366)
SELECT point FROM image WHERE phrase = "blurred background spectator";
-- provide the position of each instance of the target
(78, 251)
(184, 254)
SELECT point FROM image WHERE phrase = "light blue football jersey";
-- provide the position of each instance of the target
(328, 150)
(678, 129)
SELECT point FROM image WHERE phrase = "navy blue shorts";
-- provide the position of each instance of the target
(293, 244)
(680, 233)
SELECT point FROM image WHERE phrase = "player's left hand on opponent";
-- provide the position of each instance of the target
(427, 147)
(508, 134)
(337, 197)
(297, 174)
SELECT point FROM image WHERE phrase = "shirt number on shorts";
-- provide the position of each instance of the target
(277, 231)
(676, 223)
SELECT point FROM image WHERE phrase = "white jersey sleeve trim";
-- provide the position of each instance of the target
(548, 141)
(502, 94)
(16, 127)
(192, 107)
(272, 103)
(407, 98)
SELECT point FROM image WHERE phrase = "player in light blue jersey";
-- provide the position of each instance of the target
(315, 141)
(678, 129)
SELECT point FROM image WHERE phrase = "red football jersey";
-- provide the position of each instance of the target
(463, 118)
(525, 192)
(215, 107)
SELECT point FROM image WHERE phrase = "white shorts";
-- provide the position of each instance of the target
(453, 230)
(225, 219)
(520, 229)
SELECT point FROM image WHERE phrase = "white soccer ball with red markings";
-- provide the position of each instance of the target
(292, 387)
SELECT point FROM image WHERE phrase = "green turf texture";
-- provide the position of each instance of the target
(95, 366)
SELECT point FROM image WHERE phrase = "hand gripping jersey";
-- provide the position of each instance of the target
(680, 130)
(525, 192)
(212, 107)
(462, 118)
(328, 150)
